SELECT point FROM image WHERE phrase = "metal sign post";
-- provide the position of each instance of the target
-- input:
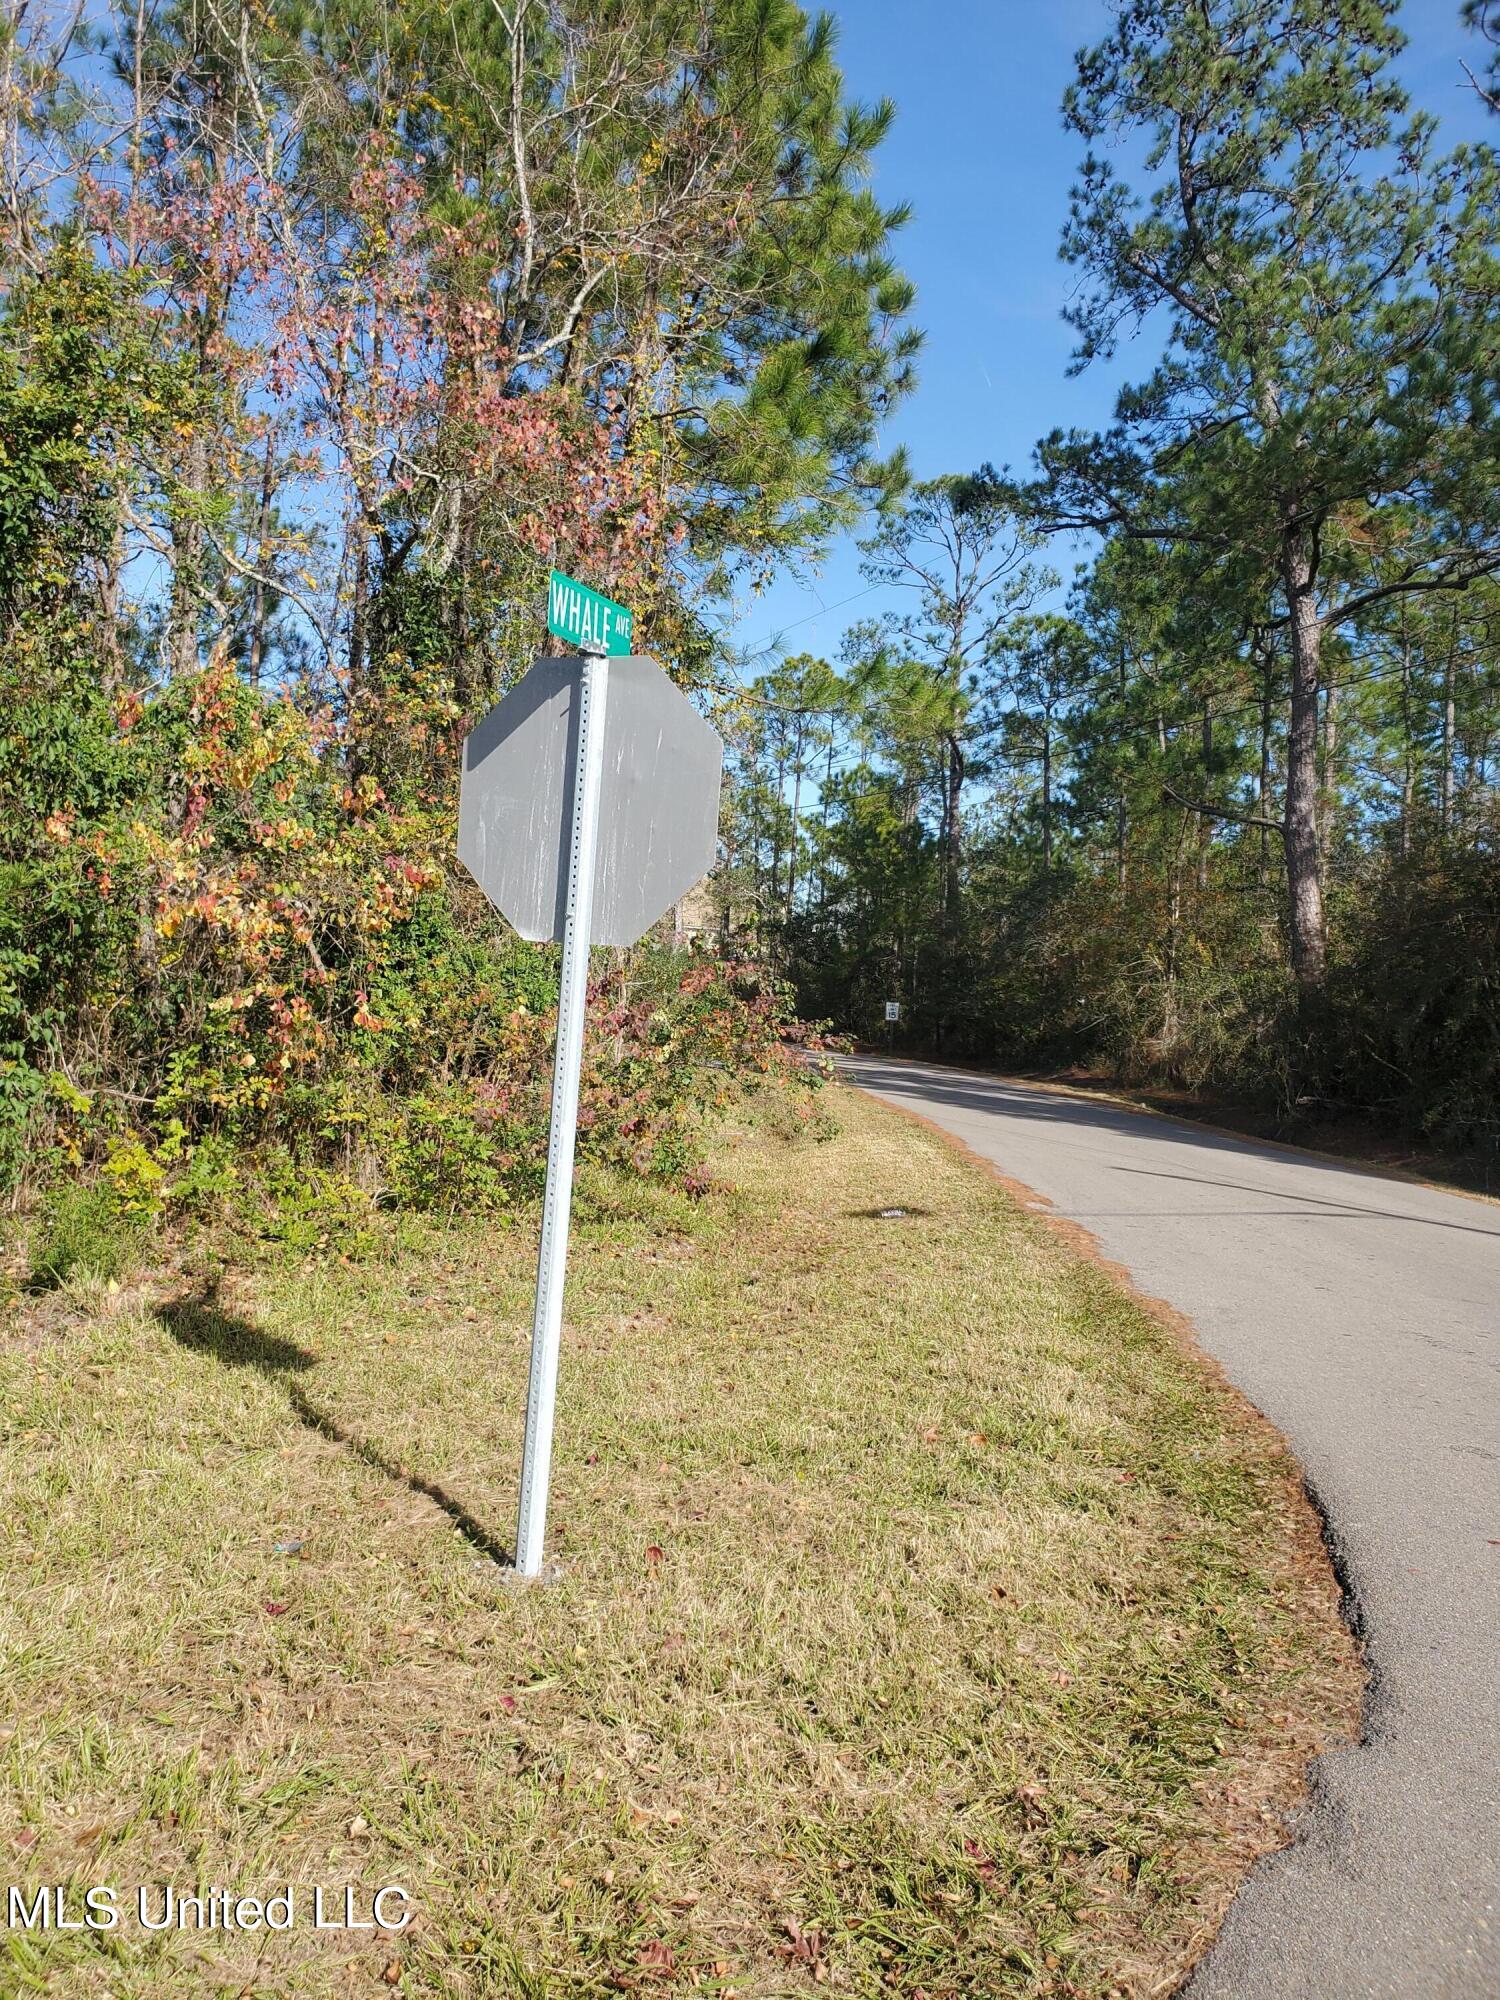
(588, 805)
(557, 1203)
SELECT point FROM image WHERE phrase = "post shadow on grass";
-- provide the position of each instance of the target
(203, 1326)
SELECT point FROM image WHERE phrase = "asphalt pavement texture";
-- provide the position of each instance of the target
(1361, 1313)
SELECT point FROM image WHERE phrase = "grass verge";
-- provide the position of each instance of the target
(930, 1623)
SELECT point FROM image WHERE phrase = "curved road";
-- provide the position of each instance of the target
(1362, 1314)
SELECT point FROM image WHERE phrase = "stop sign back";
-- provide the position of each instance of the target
(658, 800)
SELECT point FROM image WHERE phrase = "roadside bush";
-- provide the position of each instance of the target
(1414, 997)
(438, 1155)
(237, 963)
(314, 1210)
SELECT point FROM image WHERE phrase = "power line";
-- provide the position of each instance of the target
(854, 597)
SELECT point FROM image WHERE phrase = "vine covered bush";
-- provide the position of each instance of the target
(223, 958)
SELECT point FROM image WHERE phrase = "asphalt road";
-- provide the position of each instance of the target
(1362, 1314)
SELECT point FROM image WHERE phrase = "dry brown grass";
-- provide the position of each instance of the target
(929, 1622)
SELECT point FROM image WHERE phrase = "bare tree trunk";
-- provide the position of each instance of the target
(791, 865)
(757, 831)
(359, 608)
(1047, 795)
(137, 123)
(953, 836)
(776, 830)
(262, 530)
(823, 855)
(1309, 934)
(188, 539)
(187, 554)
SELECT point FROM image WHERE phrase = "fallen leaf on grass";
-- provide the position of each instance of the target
(804, 1948)
(272, 1609)
(985, 1867)
(507, 1704)
(643, 1815)
(653, 1555)
(657, 1959)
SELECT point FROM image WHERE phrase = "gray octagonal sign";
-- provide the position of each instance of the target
(658, 804)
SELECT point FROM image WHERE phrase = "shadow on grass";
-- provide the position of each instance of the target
(203, 1326)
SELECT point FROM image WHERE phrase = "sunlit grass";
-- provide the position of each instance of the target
(927, 1621)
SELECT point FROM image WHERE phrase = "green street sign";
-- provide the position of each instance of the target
(592, 623)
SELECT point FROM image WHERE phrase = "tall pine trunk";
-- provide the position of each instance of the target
(791, 866)
(1300, 825)
(952, 838)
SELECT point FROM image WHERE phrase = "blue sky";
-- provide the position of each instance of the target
(979, 149)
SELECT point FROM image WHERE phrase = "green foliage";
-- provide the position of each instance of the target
(315, 1211)
(80, 384)
(1320, 434)
(1415, 1003)
(82, 1233)
(1229, 823)
(437, 1157)
(273, 524)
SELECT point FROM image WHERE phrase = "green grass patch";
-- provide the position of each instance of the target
(928, 1624)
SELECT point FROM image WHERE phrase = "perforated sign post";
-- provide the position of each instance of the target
(588, 804)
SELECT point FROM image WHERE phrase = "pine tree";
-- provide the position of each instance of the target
(1328, 386)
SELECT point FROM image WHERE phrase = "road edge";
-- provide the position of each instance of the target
(1314, 1541)
(1351, 1163)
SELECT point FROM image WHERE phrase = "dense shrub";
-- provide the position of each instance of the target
(1414, 1001)
(232, 960)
